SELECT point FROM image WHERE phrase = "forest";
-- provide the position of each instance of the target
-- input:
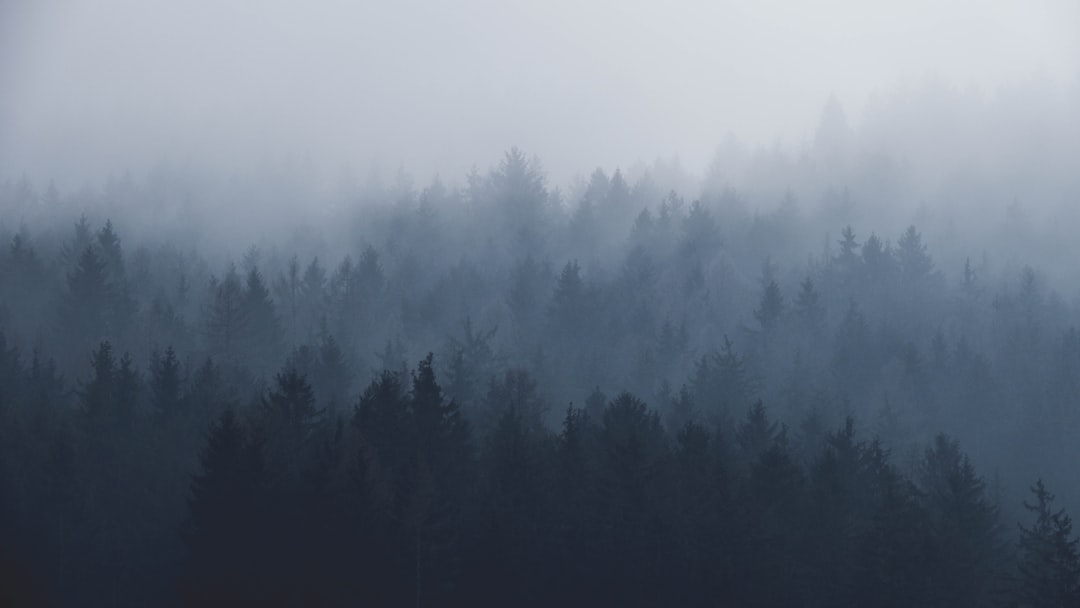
(501, 393)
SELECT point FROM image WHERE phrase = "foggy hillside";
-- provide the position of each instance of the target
(342, 305)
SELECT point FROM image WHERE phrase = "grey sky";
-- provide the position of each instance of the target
(88, 87)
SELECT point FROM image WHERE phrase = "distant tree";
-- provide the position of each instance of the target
(756, 433)
(80, 240)
(643, 228)
(569, 304)
(770, 308)
(808, 306)
(288, 288)
(206, 393)
(121, 304)
(98, 395)
(1030, 298)
(128, 386)
(672, 343)
(915, 263)
(1049, 564)
(227, 317)
(84, 311)
(722, 381)
(618, 195)
(682, 410)
(313, 295)
(515, 391)
(701, 235)
(332, 376)
(877, 258)
(262, 338)
(595, 403)
(519, 184)
(853, 357)
(166, 383)
(848, 260)
(529, 290)
(473, 361)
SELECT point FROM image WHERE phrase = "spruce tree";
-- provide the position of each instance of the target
(1049, 564)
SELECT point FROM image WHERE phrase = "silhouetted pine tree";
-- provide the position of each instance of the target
(226, 557)
(1049, 565)
(965, 561)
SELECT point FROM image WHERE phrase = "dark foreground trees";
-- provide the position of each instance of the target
(403, 506)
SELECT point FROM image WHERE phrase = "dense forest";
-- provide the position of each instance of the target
(631, 392)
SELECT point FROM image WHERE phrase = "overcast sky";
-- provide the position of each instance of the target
(92, 86)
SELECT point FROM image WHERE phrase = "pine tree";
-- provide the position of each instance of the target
(848, 261)
(966, 553)
(226, 549)
(288, 287)
(262, 338)
(808, 306)
(568, 304)
(915, 263)
(1049, 564)
(771, 307)
(723, 382)
(84, 310)
(166, 383)
(289, 416)
(227, 319)
(98, 395)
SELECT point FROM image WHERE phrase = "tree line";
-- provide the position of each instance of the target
(629, 399)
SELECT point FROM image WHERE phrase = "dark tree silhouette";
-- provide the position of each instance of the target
(1049, 565)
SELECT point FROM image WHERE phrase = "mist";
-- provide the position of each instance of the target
(99, 87)
(539, 304)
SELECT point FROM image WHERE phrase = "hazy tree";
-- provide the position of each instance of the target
(84, 311)
(877, 258)
(166, 383)
(569, 303)
(227, 319)
(848, 260)
(261, 338)
(97, 396)
(770, 308)
(288, 288)
(808, 307)
(722, 381)
(915, 263)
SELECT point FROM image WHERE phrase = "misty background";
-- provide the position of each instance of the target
(93, 88)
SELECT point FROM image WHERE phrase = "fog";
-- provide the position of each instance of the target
(471, 304)
(92, 87)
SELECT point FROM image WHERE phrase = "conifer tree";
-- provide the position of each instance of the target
(166, 383)
(1049, 564)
